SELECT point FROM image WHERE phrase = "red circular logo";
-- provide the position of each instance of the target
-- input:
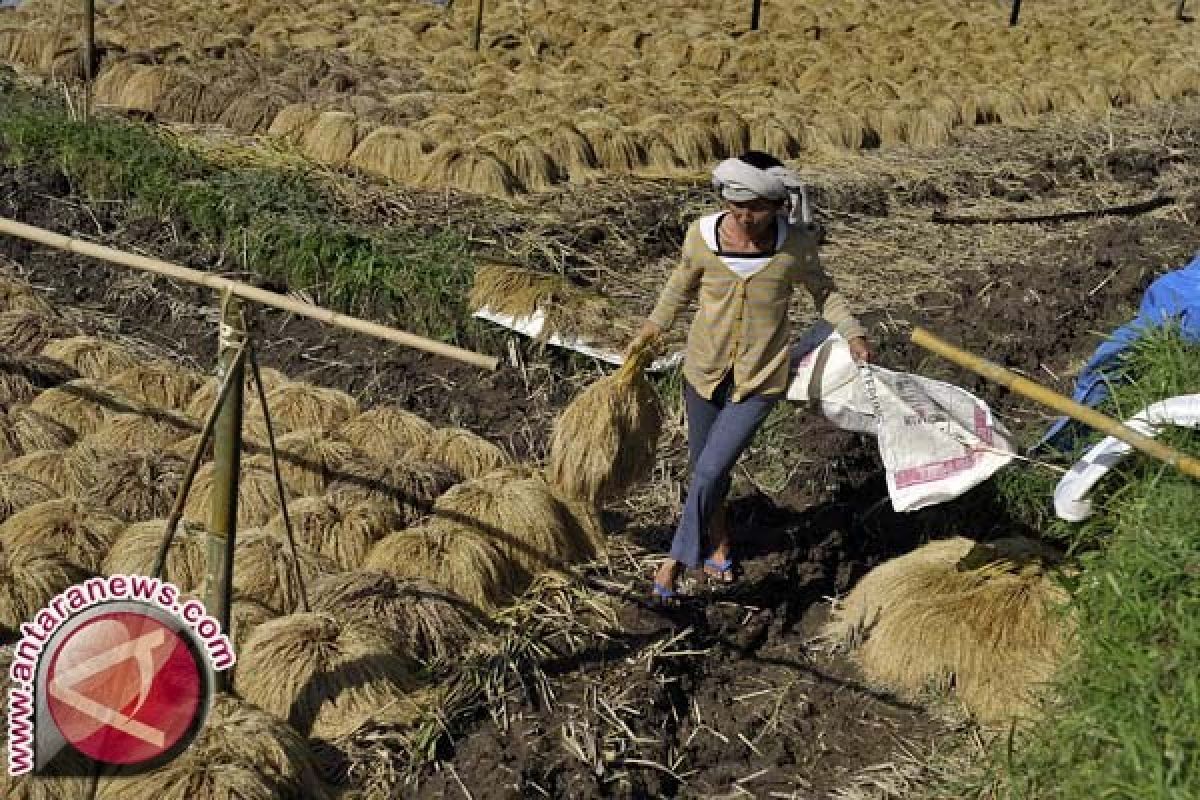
(124, 688)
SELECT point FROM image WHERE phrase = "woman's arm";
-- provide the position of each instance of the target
(679, 290)
(830, 302)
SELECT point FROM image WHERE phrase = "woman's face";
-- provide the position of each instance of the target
(754, 216)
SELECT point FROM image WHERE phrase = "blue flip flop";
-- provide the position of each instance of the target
(665, 596)
(722, 568)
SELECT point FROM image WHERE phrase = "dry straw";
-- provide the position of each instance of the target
(157, 430)
(17, 295)
(199, 404)
(386, 433)
(90, 356)
(470, 170)
(454, 557)
(157, 385)
(19, 492)
(993, 631)
(395, 153)
(15, 388)
(426, 621)
(265, 571)
(80, 532)
(331, 138)
(462, 451)
(324, 678)
(409, 487)
(83, 405)
(339, 528)
(137, 485)
(30, 577)
(258, 496)
(69, 472)
(242, 752)
(293, 121)
(35, 431)
(24, 332)
(298, 406)
(135, 549)
(252, 112)
(605, 441)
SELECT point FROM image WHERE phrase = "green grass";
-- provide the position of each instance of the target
(1128, 721)
(282, 224)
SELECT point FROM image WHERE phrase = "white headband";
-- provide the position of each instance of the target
(741, 182)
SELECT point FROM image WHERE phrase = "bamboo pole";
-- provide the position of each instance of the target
(1016, 13)
(755, 14)
(477, 27)
(89, 39)
(227, 456)
(1034, 391)
(244, 291)
(1179, 15)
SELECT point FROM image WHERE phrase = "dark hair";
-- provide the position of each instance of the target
(759, 159)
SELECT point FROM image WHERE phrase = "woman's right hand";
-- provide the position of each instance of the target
(645, 335)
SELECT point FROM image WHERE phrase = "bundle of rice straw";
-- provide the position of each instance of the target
(462, 451)
(83, 405)
(18, 492)
(15, 388)
(340, 528)
(258, 496)
(469, 169)
(298, 406)
(309, 460)
(264, 570)
(424, 620)
(69, 472)
(325, 678)
(605, 441)
(136, 547)
(386, 433)
(10, 448)
(30, 577)
(42, 372)
(24, 332)
(331, 138)
(34, 431)
(993, 633)
(241, 752)
(157, 385)
(90, 356)
(17, 295)
(81, 533)
(201, 402)
(138, 484)
(148, 430)
(453, 557)
(408, 487)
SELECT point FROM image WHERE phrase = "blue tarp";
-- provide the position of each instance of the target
(1172, 297)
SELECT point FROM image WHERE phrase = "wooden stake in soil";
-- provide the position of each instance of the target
(1016, 13)
(227, 452)
(477, 28)
(1089, 416)
(1179, 15)
(755, 13)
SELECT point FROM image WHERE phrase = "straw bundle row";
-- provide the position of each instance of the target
(30, 577)
(83, 405)
(386, 433)
(70, 472)
(296, 406)
(258, 496)
(90, 356)
(465, 453)
(81, 532)
(33, 431)
(136, 547)
(340, 531)
(149, 430)
(202, 401)
(24, 332)
(136, 485)
(409, 488)
(265, 570)
(156, 385)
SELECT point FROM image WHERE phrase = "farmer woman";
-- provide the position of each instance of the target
(744, 262)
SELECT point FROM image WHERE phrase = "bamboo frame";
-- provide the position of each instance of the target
(1034, 391)
(245, 291)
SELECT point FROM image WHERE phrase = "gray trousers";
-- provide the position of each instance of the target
(718, 431)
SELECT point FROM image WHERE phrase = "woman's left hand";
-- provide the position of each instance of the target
(860, 350)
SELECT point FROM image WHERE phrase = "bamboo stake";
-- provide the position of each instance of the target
(244, 291)
(1179, 15)
(227, 456)
(755, 13)
(1034, 391)
(89, 39)
(1016, 13)
(477, 27)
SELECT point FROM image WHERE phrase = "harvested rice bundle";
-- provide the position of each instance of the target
(150, 430)
(202, 400)
(91, 357)
(605, 440)
(157, 385)
(617, 149)
(111, 82)
(396, 153)
(293, 121)
(567, 147)
(24, 332)
(144, 89)
(385, 433)
(775, 133)
(136, 547)
(309, 460)
(30, 577)
(340, 528)
(83, 405)
(520, 516)
(264, 570)
(927, 128)
(246, 615)
(331, 138)
(324, 678)
(35, 431)
(469, 170)
(10, 447)
(258, 496)
(17, 295)
(451, 556)
(242, 751)
(137, 485)
(527, 161)
(81, 532)
(69, 472)
(42, 372)
(252, 112)
(298, 406)
(408, 487)
(426, 621)
(19, 492)
(468, 454)
(992, 632)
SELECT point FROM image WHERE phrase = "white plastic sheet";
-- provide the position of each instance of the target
(1070, 496)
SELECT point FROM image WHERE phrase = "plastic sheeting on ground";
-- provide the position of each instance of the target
(1070, 496)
